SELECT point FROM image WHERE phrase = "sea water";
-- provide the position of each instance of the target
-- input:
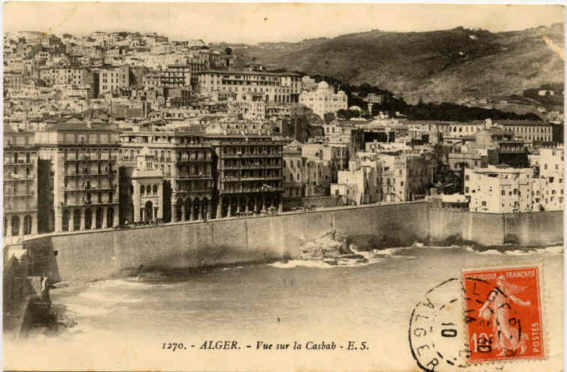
(123, 324)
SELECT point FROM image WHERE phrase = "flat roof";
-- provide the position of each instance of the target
(244, 72)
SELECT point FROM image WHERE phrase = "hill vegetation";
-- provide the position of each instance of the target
(439, 66)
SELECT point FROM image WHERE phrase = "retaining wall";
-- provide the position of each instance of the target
(102, 254)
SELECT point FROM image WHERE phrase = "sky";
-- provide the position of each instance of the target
(265, 22)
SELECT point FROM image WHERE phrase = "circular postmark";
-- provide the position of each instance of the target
(436, 330)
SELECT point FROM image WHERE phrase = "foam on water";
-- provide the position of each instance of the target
(119, 283)
(291, 264)
(548, 251)
(102, 297)
(86, 311)
(391, 252)
(554, 250)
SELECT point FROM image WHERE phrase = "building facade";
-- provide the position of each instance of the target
(111, 79)
(249, 175)
(548, 164)
(78, 178)
(406, 176)
(499, 189)
(20, 199)
(529, 131)
(273, 87)
(185, 161)
(323, 99)
(75, 76)
(293, 170)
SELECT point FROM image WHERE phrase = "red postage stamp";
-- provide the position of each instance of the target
(503, 314)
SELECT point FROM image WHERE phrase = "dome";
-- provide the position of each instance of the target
(323, 85)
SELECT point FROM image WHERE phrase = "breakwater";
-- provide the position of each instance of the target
(103, 254)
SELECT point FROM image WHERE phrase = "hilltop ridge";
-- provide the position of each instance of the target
(434, 66)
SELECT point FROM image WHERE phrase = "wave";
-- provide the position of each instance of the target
(328, 264)
(553, 250)
(232, 268)
(86, 311)
(556, 249)
(291, 264)
(444, 246)
(119, 283)
(109, 299)
(391, 252)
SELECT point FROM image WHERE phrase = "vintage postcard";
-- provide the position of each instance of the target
(283, 187)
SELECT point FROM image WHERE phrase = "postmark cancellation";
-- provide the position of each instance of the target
(486, 316)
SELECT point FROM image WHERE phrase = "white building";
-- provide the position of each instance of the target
(323, 99)
(273, 87)
(499, 189)
(358, 185)
(111, 79)
(548, 183)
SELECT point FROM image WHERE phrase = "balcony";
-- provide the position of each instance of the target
(202, 160)
(244, 190)
(74, 188)
(192, 178)
(92, 174)
(19, 194)
(250, 166)
(19, 179)
(255, 178)
(207, 190)
(248, 156)
(91, 203)
(10, 162)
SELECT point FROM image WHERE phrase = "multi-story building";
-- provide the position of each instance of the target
(452, 130)
(75, 76)
(344, 133)
(293, 170)
(184, 159)
(323, 99)
(13, 80)
(336, 156)
(248, 173)
(525, 130)
(406, 176)
(501, 147)
(175, 76)
(78, 177)
(318, 174)
(358, 185)
(111, 79)
(274, 87)
(529, 131)
(252, 107)
(20, 183)
(499, 189)
(146, 190)
(548, 164)
(129, 108)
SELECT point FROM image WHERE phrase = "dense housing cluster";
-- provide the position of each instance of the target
(120, 129)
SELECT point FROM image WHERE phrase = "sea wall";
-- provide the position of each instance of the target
(102, 254)
(494, 229)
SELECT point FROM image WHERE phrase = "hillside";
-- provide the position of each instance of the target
(435, 66)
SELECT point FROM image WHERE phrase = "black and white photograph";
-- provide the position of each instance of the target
(283, 186)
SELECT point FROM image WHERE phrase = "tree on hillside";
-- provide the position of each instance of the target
(329, 117)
